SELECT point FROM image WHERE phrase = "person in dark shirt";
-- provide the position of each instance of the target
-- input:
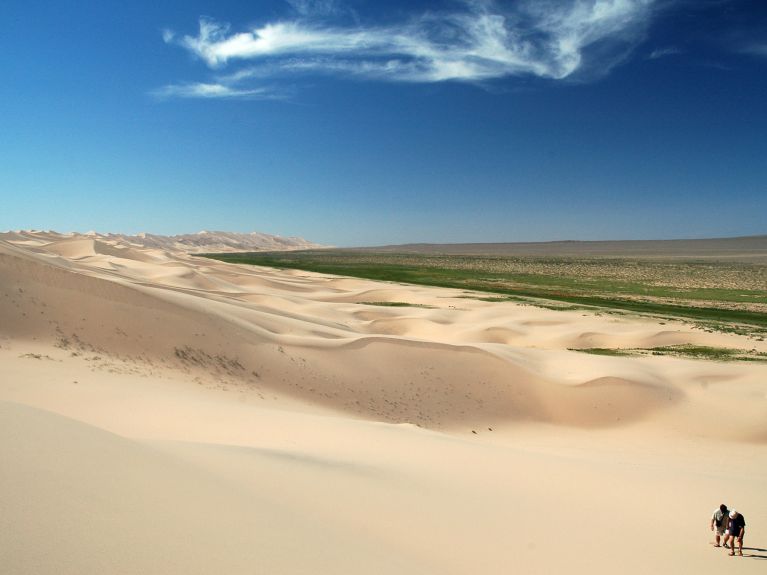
(735, 532)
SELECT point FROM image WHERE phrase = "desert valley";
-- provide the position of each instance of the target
(166, 413)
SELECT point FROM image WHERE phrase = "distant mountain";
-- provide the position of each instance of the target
(745, 248)
(206, 241)
(201, 242)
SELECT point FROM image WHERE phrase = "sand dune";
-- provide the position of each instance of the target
(164, 413)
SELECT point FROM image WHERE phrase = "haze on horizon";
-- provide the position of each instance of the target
(357, 123)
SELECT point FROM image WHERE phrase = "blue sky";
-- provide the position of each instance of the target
(361, 123)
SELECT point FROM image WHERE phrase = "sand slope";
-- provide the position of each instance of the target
(168, 414)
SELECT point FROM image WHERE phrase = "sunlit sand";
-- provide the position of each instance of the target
(163, 413)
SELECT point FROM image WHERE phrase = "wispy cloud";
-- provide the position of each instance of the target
(480, 41)
(663, 52)
(756, 49)
(316, 7)
(203, 90)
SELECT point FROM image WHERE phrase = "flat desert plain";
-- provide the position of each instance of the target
(163, 413)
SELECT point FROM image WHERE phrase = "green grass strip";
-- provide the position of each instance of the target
(685, 350)
(361, 266)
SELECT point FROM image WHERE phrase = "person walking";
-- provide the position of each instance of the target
(735, 531)
(719, 521)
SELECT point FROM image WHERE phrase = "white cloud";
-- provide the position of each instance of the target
(483, 40)
(661, 52)
(202, 90)
(570, 30)
(756, 49)
(213, 45)
(315, 7)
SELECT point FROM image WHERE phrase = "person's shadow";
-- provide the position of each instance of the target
(754, 552)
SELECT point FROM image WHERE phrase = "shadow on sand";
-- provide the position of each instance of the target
(755, 552)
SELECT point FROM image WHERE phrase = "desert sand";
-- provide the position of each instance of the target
(164, 413)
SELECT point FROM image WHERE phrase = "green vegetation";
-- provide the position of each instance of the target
(689, 351)
(395, 304)
(604, 351)
(715, 295)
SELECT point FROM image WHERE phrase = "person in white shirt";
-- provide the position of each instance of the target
(719, 522)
